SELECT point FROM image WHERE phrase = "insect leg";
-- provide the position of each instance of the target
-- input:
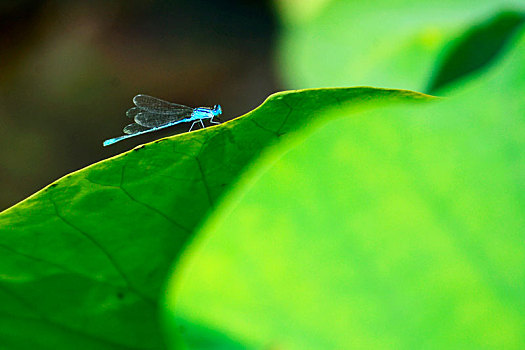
(202, 123)
(192, 125)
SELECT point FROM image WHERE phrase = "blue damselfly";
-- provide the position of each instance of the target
(152, 114)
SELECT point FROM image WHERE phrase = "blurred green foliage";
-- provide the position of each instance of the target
(476, 49)
(397, 228)
(384, 43)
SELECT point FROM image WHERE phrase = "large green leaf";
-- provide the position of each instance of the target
(396, 228)
(388, 43)
(83, 261)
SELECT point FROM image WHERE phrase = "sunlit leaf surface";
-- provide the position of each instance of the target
(398, 228)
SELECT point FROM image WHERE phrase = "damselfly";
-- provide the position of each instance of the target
(152, 114)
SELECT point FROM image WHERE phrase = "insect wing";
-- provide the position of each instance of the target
(156, 105)
(153, 120)
(132, 112)
(134, 128)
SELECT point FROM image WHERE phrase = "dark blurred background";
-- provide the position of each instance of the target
(69, 71)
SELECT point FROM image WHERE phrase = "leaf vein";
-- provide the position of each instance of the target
(121, 186)
(264, 128)
(103, 250)
(204, 181)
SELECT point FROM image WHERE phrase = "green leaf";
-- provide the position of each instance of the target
(384, 43)
(395, 228)
(83, 262)
(476, 49)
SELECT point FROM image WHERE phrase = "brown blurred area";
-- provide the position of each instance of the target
(69, 71)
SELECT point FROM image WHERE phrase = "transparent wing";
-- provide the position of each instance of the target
(134, 128)
(153, 120)
(132, 112)
(156, 105)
